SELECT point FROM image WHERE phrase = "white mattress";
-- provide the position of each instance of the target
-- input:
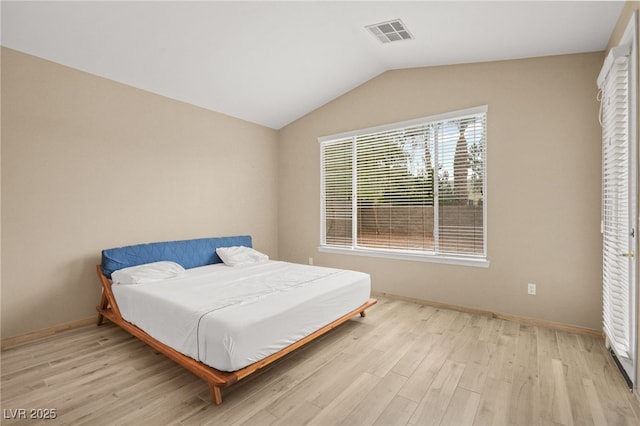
(230, 317)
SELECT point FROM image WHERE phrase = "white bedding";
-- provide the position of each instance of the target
(230, 317)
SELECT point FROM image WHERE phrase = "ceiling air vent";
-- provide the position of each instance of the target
(390, 31)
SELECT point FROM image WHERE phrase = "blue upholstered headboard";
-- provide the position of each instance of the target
(188, 253)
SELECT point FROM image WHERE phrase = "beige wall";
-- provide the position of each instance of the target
(89, 164)
(543, 195)
(623, 20)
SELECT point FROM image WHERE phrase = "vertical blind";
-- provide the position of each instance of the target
(614, 84)
(416, 187)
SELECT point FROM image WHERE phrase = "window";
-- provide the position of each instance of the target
(411, 190)
(617, 82)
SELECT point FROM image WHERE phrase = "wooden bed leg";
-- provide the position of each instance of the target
(216, 394)
(363, 314)
(104, 303)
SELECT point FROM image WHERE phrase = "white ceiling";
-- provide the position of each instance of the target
(272, 62)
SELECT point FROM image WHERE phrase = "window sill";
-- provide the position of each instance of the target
(406, 255)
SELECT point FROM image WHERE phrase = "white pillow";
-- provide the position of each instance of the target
(240, 255)
(147, 273)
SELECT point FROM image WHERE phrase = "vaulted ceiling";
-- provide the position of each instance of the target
(272, 62)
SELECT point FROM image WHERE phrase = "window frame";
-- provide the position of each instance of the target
(393, 253)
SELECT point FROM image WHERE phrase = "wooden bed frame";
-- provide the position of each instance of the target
(216, 379)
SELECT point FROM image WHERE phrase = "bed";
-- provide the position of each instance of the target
(220, 308)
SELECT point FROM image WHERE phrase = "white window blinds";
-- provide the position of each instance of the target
(337, 192)
(416, 187)
(614, 82)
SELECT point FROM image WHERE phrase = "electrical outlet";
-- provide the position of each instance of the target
(531, 289)
(310, 260)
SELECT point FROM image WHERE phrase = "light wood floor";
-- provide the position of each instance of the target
(403, 364)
